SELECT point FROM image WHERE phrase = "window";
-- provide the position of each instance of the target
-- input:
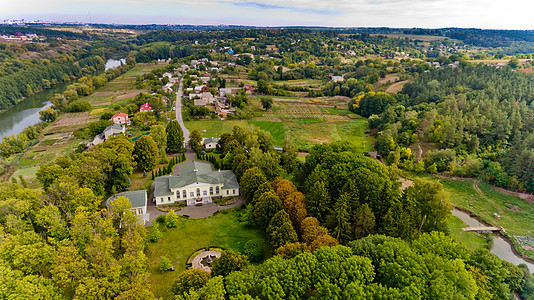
(204, 192)
(192, 194)
(211, 190)
(161, 200)
(198, 192)
(168, 199)
(184, 193)
(227, 192)
(178, 194)
(233, 192)
(216, 190)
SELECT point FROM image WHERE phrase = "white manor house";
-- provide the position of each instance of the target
(196, 184)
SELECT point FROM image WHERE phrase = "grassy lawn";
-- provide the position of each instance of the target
(214, 127)
(472, 240)
(222, 230)
(276, 129)
(306, 135)
(516, 214)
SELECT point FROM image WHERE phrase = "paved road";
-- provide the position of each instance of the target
(179, 111)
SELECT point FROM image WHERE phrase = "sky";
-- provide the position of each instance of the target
(487, 14)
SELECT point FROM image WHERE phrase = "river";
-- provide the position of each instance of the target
(500, 247)
(14, 119)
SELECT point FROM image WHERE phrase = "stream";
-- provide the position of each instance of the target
(501, 248)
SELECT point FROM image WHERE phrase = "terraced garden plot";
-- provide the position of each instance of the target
(292, 113)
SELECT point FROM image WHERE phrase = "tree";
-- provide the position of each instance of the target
(267, 206)
(48, 173)
(363, 222)
(154, 234)
(157, 132)
(266, 102)
(145, 153)
(338, 220)
(254, 251)
(228, 262)
(195, 140)
(171, 219)
(190, 279)
(48, 114)
(291, 250)
(164, 264)
(175, 137)
(251, 180)
(280, 230)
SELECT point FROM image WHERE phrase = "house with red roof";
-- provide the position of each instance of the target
(121, 118)
(146, 107)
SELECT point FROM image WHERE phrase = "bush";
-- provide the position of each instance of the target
(171, 219)
(79, 106)
(106, 116)
(160, 219)
(190, 279)
(165, 264)
(254, 251)
(154, 234)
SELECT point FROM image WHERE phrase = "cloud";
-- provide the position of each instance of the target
(255, 4)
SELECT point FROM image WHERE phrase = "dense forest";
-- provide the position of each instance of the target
(480, 116)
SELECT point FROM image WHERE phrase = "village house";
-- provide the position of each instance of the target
(196, 184)
(228, 91)
(110, 131)
(146, 107)
(210, 143)
(205, 79)
(114, 130)
(337, 78)
(167, 88)
(138, 201)
(121, 118)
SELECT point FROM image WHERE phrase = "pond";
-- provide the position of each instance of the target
(501, 248)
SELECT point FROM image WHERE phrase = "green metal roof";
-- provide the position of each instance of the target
(137, 198)
(195, 172)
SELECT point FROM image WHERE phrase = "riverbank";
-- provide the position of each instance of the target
(493, 206)
(61, 138)
(497, 249)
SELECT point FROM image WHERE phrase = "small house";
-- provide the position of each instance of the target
(114, 130)
(121, 118)
(146, 107)
(210, 143)
(138, 201)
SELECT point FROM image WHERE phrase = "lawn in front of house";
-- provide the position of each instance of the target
(177, 244)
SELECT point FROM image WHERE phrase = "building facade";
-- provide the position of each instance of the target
(196, 184)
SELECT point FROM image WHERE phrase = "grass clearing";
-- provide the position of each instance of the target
(472, 240)
(212, 128)
(222, 230)
(305, 135)
(276, 129)
(516, 214)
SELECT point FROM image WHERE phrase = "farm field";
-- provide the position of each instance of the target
(301, 82)
(177, 244)
(303, 132)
